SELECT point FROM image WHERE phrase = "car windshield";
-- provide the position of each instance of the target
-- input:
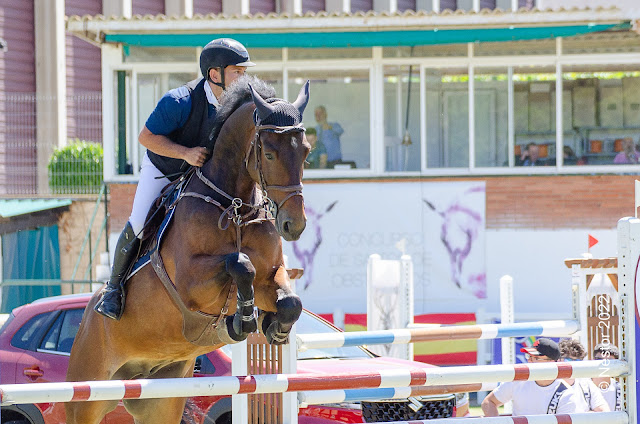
(310, 324)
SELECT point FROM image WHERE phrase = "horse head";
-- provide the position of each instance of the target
(279, 151)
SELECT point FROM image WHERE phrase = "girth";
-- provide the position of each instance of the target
(198, 327)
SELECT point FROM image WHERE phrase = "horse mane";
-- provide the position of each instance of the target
(236, 95)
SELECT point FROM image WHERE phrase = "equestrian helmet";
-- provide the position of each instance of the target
(223, 52)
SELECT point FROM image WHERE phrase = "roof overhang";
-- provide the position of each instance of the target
(25, 214)
(348, 29)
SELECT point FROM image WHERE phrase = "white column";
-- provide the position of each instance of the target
(117, 8)
(178, 8)
(111, 55)
(628, 248)
(385, 5)
(235, 7)
(51, 85)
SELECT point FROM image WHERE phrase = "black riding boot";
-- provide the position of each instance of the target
(111, 304)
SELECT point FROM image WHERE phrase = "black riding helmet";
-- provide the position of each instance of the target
(220, 53)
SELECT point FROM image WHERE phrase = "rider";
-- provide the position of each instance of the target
(173, 134)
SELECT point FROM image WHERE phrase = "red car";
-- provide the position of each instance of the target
(36, 339)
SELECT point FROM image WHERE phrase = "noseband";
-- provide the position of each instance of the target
(256, 147)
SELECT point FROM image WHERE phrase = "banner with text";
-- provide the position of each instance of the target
(441, 225)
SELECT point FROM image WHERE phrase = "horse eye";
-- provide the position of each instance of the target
(269, 156)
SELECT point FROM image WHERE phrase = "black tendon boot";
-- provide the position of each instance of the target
(111, 304)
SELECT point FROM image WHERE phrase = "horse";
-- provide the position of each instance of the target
(223, 241)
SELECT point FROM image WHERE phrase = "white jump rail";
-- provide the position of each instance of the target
(281, 383)
(558, 328)
(582, 418)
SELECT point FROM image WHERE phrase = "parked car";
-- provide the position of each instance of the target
(36, 340)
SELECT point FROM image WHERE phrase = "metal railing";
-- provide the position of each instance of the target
(33, 159)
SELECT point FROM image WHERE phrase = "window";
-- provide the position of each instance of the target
(447, 117)
(402, 118)
(60, 336)
(343, 96)
(534, 102)
(602, 107)
(24, 336)
(491, 86)
(204, 365)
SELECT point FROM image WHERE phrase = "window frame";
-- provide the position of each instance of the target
(112, 62)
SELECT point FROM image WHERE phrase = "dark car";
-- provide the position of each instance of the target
(36, 340)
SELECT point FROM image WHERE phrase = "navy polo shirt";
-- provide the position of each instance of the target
(172, 112)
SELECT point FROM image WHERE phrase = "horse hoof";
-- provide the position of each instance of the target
(244, 324)
(274, 336)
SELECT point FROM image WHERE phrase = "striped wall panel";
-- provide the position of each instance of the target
(406, 5)
(147, 7)
(84, 83)
(361, 5)
(313, 5)
(262, 6)
(17, 65)
(204, 7)
(17, 98)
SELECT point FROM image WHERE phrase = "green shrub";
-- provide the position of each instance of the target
(76, 168)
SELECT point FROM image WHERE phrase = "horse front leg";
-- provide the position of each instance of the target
(276, 326)
(242, 271)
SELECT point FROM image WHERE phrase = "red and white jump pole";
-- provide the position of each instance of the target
(281, 383)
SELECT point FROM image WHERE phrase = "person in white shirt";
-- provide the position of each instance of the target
(587, 393)
(609, 387)
(534, 397)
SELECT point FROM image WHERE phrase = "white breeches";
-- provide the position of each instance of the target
(149, 188)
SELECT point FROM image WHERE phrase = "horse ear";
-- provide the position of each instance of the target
(264, 108)
(303, 98)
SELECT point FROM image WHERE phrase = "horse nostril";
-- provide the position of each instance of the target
(285, 226)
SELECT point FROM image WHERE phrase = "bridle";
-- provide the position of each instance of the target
(256, 147)
(266, 204)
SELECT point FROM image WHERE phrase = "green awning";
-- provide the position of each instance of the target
(16, 207)
(362, 38)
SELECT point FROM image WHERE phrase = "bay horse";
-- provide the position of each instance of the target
(220, 255)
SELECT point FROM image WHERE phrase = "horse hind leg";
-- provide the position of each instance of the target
(243, 322)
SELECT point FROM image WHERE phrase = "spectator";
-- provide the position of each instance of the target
(329, 135)
(534, 397)
(568, 156)
(588, 395)
(629, 154)
(318, 155)
(531, 156)
(609, 387)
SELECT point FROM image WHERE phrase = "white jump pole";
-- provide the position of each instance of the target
(507, 317)
(281, 383)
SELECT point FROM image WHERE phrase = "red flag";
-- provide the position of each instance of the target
(592, 241)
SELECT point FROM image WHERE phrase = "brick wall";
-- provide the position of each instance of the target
(532, 202)
(559, 201)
